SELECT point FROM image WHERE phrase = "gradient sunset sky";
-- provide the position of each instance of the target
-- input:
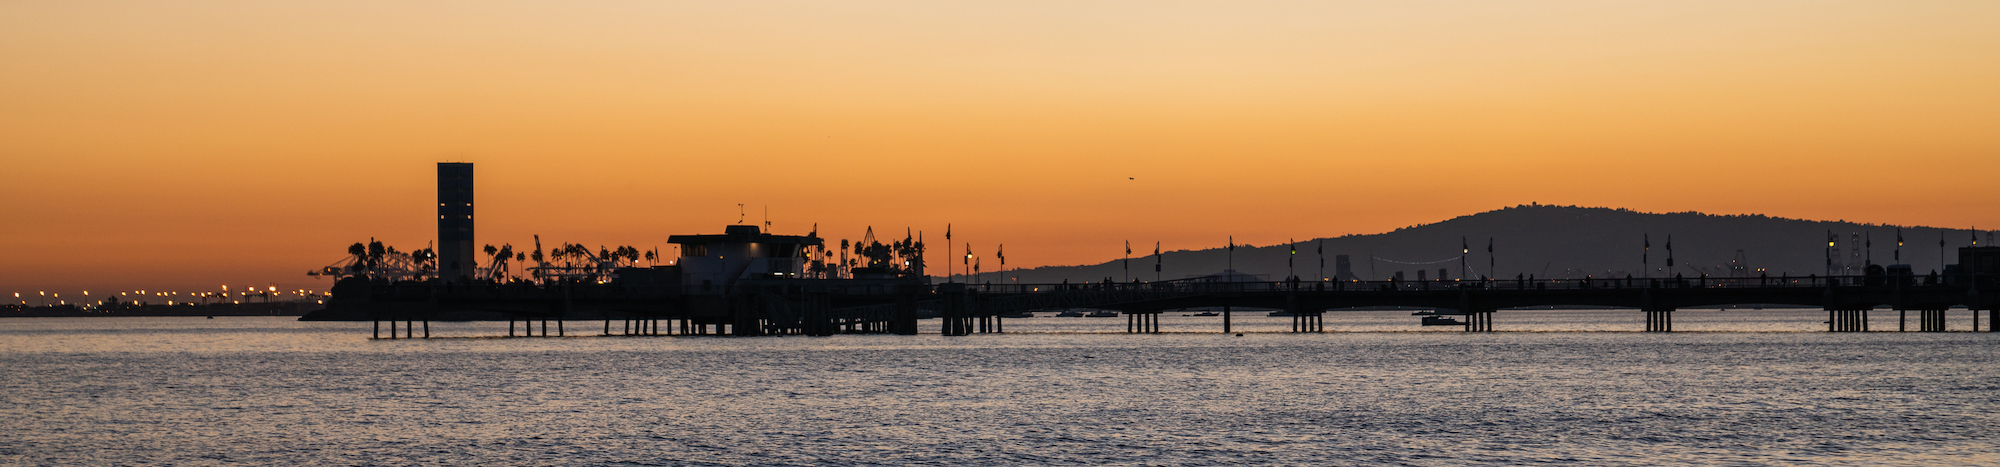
(183, 145)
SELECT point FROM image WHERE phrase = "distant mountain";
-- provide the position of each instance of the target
(1558, 242)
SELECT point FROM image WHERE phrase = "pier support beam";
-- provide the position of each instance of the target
(1142, 322)
(955, 315)
(1309, 321)
(1660, 320)
(1847, 320)
(1478, 321)
(1931, 321)
(903, 319)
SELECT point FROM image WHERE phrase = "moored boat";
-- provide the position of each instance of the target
(1441, 321)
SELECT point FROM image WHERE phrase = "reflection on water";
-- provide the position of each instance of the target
(191, 391)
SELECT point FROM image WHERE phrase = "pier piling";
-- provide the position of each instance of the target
(1659, 320)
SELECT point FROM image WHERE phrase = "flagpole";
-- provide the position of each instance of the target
(1157, 260)
(947, 253)
(1464, 250)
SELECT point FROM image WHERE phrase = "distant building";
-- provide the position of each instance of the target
(1343, 269)
(455, 244)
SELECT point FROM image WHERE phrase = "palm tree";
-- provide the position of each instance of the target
(360, 253)
(375, 252)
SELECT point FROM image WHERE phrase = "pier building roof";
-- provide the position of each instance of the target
(745, 234)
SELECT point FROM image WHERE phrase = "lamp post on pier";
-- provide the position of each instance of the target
(1157, 260)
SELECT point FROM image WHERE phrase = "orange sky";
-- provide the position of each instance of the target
(180, 146)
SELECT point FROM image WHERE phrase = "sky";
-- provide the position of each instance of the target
(186, 145)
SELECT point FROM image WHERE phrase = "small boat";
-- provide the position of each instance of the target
(1441, 321)
(1102, 314)
(1281, 313)
(1070, 314)
(1207, 313)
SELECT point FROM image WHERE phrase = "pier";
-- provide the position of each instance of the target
(748, 282)
(895, 306)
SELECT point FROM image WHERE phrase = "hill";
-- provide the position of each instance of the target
(1557, 242)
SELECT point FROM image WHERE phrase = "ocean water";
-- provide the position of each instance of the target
(1053, 391)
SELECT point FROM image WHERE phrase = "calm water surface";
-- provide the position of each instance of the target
(231, 391)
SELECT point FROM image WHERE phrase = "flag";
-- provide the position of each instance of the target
(1156, 249)
(947, 231)
(1128, 247)
(1232, 243)
(1489, 245)
(1001, 253)
(1649, 250)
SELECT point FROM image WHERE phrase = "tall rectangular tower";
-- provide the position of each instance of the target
(455, 250)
